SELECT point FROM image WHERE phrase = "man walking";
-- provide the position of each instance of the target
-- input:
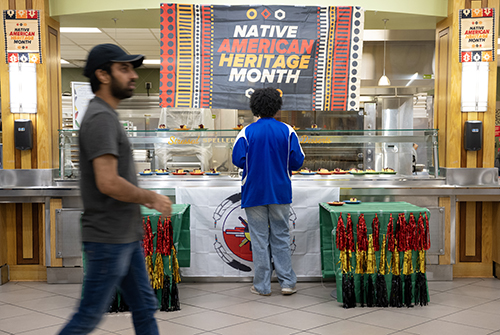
(111, 224)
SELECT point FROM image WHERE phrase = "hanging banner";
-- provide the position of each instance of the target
(216, 56)
(220, 240)
(477, 35)
(22, 36)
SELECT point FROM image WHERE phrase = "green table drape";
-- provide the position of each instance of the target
(330, 255)
(181, 223)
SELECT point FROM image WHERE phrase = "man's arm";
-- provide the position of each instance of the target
(240, 151)
(110, 183)
(297, 155)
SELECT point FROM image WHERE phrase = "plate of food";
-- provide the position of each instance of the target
(356, 172)
(306, 171)
(146, 172)
(162, 172)
(295, 128)
(324, 172)
(352, 201)
(335, 203)
(196, 172)
(201, 127)
(294, 172)
(313, 127)
(339, 171)
(182, 127)
(179, 172)
(162, 127)
(238, 127)
(212, 172)
(370, 171)
(388, 171)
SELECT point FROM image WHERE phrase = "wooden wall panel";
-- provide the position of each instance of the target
(471, 232)
(454, 131)
(487, 233)
(446, 258)
(488, 157)
(27, 231)
(495, 236)
(54, 204)
(7, 119)
(441, 87)
(469, 228)
(3, 234)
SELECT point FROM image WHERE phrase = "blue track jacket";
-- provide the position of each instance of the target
(267, 151)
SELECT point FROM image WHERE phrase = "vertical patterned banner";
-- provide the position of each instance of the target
(216, 56)
(22, 36)
(477, 35)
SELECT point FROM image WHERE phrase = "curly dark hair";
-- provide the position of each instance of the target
(265, 102)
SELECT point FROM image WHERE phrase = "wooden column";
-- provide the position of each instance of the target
(474, 218)
(22, 245)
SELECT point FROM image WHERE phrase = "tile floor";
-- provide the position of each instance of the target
(462, 306)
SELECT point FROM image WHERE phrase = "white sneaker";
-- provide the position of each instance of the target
(288, 290)
(254, 291)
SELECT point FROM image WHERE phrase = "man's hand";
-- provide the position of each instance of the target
(110, 183)
(161, 203)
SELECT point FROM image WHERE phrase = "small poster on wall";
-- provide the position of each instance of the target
(22, 36)
(477, 35)
(81, 96)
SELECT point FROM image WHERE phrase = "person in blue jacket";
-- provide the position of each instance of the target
(267, 151)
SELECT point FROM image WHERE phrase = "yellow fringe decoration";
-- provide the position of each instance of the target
(360, 260)
(396, 269)
(421, 260)
(407, 263)
(382, 268)
(149, 268)
(175, 266)
(158, 273)
(343, 260)
(372, 260)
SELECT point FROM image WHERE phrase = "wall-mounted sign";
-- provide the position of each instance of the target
(81, 94)
(216, 56)
(22, 36)
(477, 35)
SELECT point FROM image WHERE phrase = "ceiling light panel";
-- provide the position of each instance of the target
(90, 39)
(86, 30)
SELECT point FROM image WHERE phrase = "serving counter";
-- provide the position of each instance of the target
(455, 234)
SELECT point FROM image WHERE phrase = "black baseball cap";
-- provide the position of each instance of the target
(104, 53)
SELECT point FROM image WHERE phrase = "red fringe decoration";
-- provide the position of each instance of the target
(376, 233)
(340, 237)
(412, 233)
(420, 233)
(408, 233)
(168, 235)
(401, 233)
(362, 233)
(349, 234)
(159, 237)
(390, 235)
(427, 241)
(147, 241)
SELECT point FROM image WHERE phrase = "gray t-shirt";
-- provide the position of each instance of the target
(105, 219)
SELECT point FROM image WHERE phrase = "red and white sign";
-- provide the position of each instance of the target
(22, 36)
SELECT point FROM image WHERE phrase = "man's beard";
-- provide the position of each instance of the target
(120, 92)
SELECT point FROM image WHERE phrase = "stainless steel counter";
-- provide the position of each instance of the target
(39, 186)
